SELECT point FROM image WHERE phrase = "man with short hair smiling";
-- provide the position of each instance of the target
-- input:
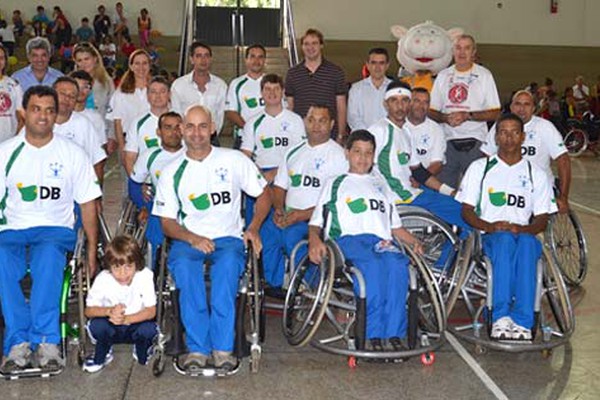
(38, 72)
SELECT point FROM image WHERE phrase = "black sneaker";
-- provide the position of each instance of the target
(376, 344)
(396, 344)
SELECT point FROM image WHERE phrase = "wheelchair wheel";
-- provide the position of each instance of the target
(307, 298)
(566, 240)
(255, 307)
(556, 314)
(576, 141)
(439, 243)
(463, 261)
(127, 223)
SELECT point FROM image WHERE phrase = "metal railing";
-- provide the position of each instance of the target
(289, 32)
(187, 34)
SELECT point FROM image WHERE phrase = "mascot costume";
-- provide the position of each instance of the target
(423, 51)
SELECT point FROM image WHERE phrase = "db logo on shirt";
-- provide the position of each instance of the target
(204, 201)
(500, 199)
(360, 205)
(306, 181)
(528, 151)
(30, 193)
(269, 142)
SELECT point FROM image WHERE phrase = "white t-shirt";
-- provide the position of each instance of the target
(107, 292)
(365, 103)
(42, 183)
(580, 93)
(127, 106)
(472, 90)
(358, 204)
(305, 169)
(151, 163)
(427, 141)
(205, 196)
(542, 144)
(244, 96)
(141, 134)
(184, 93)
(80, 130)
(506, 192)
(392, 158)
(11, 97)
(268, 137)
(7, 34)
(98, 123)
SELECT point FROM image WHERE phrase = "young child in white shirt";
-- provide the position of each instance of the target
(121, 304)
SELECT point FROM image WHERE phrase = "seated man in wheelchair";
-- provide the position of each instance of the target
(148, 167)
(543, 144)
(509, 199)
(42, 175)
(299, 180)
(199, 200)
(363, 222)
(393, 160)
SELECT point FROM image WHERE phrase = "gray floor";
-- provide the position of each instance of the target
(571, 372)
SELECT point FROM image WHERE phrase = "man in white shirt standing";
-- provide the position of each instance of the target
(509, 198)
(365, 100)
(200, 87)
(463, 99)
(42, 174)
(244, 98)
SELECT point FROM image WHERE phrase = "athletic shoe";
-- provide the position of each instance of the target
(396, 344)
(18, 358)
(90, 366)
(502, 329)
(224, 360)
(520, 333)
(376, 344)
(195, 361)
(49, 356)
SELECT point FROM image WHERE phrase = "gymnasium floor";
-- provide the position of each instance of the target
(571, 372)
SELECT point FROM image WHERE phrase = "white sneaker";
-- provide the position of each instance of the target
(502, 329)
(90, 366)
(18, 358)
(520, 333)
(49, 356)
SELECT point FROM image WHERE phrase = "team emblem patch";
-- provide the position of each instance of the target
(5, 103)
(458, 93)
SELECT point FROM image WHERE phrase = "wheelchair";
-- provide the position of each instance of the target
(440, 242)
(324, 293)
(128, 223)
(73, 288)
(565, 238)
(554, 320)
(249, 325)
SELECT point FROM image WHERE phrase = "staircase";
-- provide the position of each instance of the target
(223, 64)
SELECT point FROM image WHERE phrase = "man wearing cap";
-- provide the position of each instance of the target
(463, 99)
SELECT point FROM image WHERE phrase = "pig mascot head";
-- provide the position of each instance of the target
(423, 51)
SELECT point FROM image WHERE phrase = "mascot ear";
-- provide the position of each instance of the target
(398, 31)
(454, 33)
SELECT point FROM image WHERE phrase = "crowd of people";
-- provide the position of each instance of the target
(307, 144)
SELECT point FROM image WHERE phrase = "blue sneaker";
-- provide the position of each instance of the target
(90, 366)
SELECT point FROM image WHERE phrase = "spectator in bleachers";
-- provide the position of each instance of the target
(66, 56)
(8, 37)
(38, 72)
(109, 52)
(61, 28)
(41, 22)
(128, 47)
(101, 24)
(144, 26)
(120, 24)
(85, 33)
(18, 22)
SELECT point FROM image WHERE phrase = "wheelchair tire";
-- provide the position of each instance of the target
(555, 300)
(306, 302)
(462, 267)
(576, 141)
(567, 243)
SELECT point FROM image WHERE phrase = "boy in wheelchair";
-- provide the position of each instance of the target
(363, 222)
(509, 199)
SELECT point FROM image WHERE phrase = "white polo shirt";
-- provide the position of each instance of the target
(502, 192)
(141, 134)
(427, 141)
(80, 130)
(151, 162)
(268, 137)
(357, 204)
(107, 292)
(472, 90)
(305, 169)
(244, 96)
(542, 144)
(365, 103)
(127, 106)
(392, 158)
(11, 97)
(185, 92)
(98, 123)
(39, 185)
(205, 196)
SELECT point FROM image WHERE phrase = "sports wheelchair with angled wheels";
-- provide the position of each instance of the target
(565, 238)
(321, 308)
(471, 319)
(249, 325)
